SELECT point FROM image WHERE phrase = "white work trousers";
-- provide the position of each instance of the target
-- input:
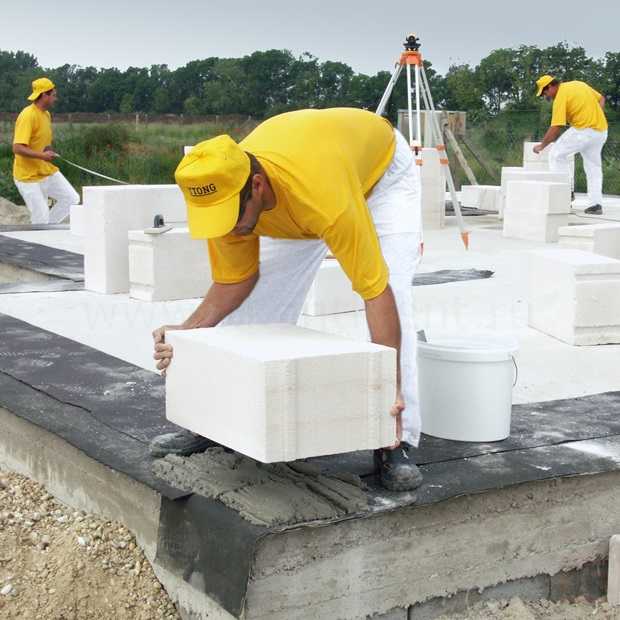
(37, 193)
(288, 268)
(589, 144)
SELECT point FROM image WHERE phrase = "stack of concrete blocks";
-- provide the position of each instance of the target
(511, 173)
(297, 392)
(485, 197)
(603, 239)
(574, 296)
(433, 189)
(111, 212)
(535, 210)
(77, 217)
(167, 266)
(331, 292)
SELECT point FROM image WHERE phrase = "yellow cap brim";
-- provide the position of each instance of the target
(213, 221)
(540, 89)
(33, 96)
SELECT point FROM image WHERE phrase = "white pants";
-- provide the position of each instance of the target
(37, 193)
(589, 144)
(288, 268)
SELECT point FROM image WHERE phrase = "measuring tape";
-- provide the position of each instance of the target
(97, 174)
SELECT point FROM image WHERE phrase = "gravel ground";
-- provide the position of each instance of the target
(59, 564)
(13, 214)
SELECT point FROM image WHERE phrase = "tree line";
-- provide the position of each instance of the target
(268, 82)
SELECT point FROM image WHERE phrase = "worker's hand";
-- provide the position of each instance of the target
(538, 148)
(163, 351)
(397, 412)
(48, 155)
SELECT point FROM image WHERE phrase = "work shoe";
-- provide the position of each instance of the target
(396, 468)
(594, 210)
(181, 443)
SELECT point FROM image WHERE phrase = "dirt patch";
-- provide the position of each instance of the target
(13, 214)
(516, 609)
(59, 564)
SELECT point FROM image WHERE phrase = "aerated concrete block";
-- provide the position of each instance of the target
(575, 296)
(331, 292)
(281, 392)
(613, 578)
(77, 220)
(168, 266)
(483, 197)
(603, 239)
(532, 226)
(530, 156)
(538, 196)
(187, 149)
(111, 212)
(520, 174)
(433, 190)
(539, 166)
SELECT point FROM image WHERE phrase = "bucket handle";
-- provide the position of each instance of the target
(514, 361)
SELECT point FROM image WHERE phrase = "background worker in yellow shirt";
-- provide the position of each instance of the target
(576, 104)
(302, 183)
(36, 178)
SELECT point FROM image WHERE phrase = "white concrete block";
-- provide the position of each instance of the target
(603, 239)
(281, 392)
(538, 196)
(574, 296)
(539, 166)
(111, 212)
(533, 226)
(187, 149)
(331, 292)
(433, 190)
(613, 575)
(168, 266)
(511, 173)
(530, 156)
(77, 220)
(483, 197)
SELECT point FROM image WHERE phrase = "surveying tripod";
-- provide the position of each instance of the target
(412, 57)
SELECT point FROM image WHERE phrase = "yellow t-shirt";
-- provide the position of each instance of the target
(321, 165)
(33, 128)
(577, 104)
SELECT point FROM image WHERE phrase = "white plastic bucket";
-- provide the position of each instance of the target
(466, 386)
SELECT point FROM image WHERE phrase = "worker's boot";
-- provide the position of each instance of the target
(181, 443)
(397, 469)
(594, 210)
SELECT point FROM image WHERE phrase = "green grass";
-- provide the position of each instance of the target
(143, 154)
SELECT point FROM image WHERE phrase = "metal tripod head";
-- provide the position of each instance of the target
(412, 43)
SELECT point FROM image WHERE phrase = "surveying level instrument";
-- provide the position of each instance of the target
(411, 57)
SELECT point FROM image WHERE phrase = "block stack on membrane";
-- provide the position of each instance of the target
(574, 296)
(535, 210)
(603, 239)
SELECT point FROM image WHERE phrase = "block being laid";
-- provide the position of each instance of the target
(530, 156)
(603, 239)
(331, 292)
(168, 266)
(520, 174)
(539, 166)
(111, 212)
(483, 197)
(574, 296)
(77, 220)
(281, 392)
(433, 190)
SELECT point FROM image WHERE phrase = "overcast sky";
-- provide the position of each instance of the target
(366, 35)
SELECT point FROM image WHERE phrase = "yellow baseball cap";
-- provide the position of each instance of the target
(40, 86)
(211, 176)
(543, 81)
